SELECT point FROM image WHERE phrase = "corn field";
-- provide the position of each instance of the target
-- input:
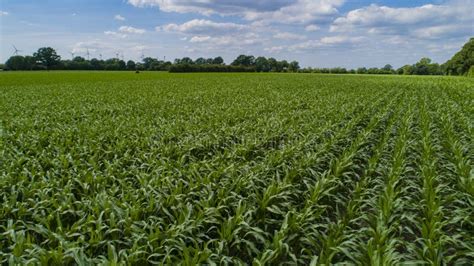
(235, 169)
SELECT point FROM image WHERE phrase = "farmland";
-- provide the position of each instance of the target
(158, 168)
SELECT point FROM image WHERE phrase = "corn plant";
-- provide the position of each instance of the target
(235, 169)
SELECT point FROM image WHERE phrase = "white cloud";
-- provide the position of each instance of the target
(202, 26)
(210, 35)
(139, 48)
(325, 42)
(299, 12)
(207, 7)
(119, 18)
(91, 46)
(237, 41)
(317, 44)
(331, 40)
(427, 21)
(132, 30)
(397, 40)
(3, 13)
(452, 47)
(275, 49)
(443, 31)
(123, 32)
(270, 11)
(115, 34)
(200, 38)
(227, 40)
(288, 36)
(312, 27)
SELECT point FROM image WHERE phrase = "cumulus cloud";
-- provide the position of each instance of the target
(131, 30)
(275, 49)
(214, 35)
(119, 18)
(3, 13)
(124, 31)
(324, 42)
(208, 7)
(437, 48)
(238, 40)
(443, 31)
(91, 46)
(311, 28)
(200, 39)
(280, 11)
(427, 21)
(115, 34)
(202, 26)
(299, 12)
(331, 40)
(288, 36)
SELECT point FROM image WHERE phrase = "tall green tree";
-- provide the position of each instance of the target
(47, 56)
(387, 69)
(273, 64)
(96, 64)
(131, 65)
(261, 64)
(244, 60)
(218, 61)
(201, 61)
(79, 59)
(122, 65)
(362, 70)
(405, 70)
(148, 62)
(426, 67)
(282, 65)
(186, 60)
(462, 61)
(294, 66)
(16, 62)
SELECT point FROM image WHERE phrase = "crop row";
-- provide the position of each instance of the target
(236, 169)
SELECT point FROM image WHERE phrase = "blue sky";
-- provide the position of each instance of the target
(319, 33)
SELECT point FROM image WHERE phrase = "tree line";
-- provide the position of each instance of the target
(46, 58)
(243, 63)
(422, 67)
(461, 64)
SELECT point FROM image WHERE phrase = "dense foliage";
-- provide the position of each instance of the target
(235, 169)
(47, 59)
(462, 62)
(179, 68)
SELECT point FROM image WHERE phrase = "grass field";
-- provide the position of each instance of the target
(124, 168)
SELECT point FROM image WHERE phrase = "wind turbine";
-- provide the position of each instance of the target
(16, 50)
(117, 55)
(122, 56)
(88, 54)
(72, 55)
(100, 56)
